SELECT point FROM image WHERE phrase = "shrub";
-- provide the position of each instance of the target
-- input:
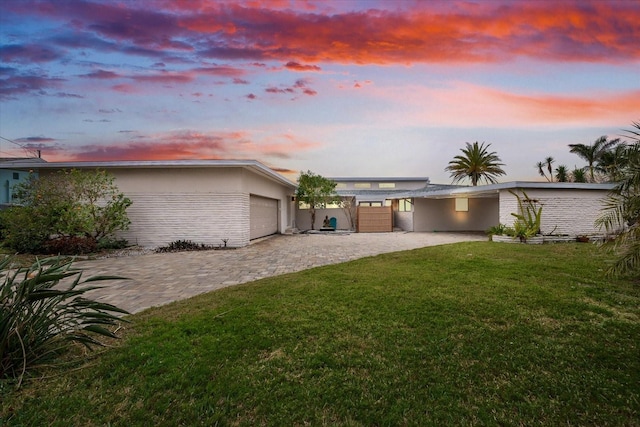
(43, 311)
(70, 204)
(184, 245)
(497, 230)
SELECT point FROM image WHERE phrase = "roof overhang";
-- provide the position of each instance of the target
(251, 165)
(493, 190)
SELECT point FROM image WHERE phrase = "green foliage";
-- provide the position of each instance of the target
(528, 217)
(316, 191)
(65, 205)
(476, 163)
(562, 174)
(593, 153)
(43, 311)
(578, 175)
(497, 230)
(621, 214)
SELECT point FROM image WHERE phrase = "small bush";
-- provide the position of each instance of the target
(43, 311)
(184, 245)
(497, 230)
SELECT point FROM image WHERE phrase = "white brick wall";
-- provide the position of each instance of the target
(158, 219)
(567, 211)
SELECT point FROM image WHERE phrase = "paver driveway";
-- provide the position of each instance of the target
(158, 279)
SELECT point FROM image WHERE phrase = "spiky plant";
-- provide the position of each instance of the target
(621, 214)
(43, 310)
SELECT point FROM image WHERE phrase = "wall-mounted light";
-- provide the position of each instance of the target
(462, 204)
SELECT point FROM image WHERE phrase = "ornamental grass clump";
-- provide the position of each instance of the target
(43, 311)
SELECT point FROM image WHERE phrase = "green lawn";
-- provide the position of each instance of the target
(467, 334)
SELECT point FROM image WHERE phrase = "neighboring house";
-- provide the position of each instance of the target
(10, 177)
(206, 201)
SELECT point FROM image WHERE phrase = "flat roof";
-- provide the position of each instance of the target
(253, 165)
(488, 190)
(381, 179)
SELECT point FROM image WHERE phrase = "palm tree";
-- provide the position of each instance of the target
(562, 173)
(549, 161)
(592, 153)
(613, 161)
(578, 175)
(476, 163)
(622, 211)
(540, 166)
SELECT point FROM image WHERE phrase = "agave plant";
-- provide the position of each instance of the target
(43, 311)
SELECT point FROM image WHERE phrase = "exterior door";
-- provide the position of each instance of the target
(263, 217)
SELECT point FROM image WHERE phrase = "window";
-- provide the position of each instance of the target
(370, 204)
(462, 204)
(387, 185)
(341, 185)
(362, 185)
(405, 205)
(303, 205)
(16, 175)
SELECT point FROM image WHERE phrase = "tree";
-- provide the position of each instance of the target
(578, 175)
(348, 205)
(315, 191)
(548, 163)
(68, 206)
(476, 163)
(621, 214)
(593, 153)
(612, 162)
(562, 173)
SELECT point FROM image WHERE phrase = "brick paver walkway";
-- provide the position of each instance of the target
(158, 279)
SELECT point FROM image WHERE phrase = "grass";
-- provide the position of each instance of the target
(466, 334)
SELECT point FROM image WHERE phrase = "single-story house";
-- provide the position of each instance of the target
(567, 208)
(10, 177)
(205, 201)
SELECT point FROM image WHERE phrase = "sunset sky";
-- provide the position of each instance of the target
(342, 88)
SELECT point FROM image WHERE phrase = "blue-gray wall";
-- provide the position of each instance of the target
(8, 179)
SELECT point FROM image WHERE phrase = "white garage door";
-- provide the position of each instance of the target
(263, 217)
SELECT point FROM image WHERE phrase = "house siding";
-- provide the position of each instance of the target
(571, 212)
(202, 204)
(403, 220)
(158, 219)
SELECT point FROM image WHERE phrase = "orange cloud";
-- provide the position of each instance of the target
(568, 31)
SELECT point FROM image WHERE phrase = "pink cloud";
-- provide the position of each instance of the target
(193, 145)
